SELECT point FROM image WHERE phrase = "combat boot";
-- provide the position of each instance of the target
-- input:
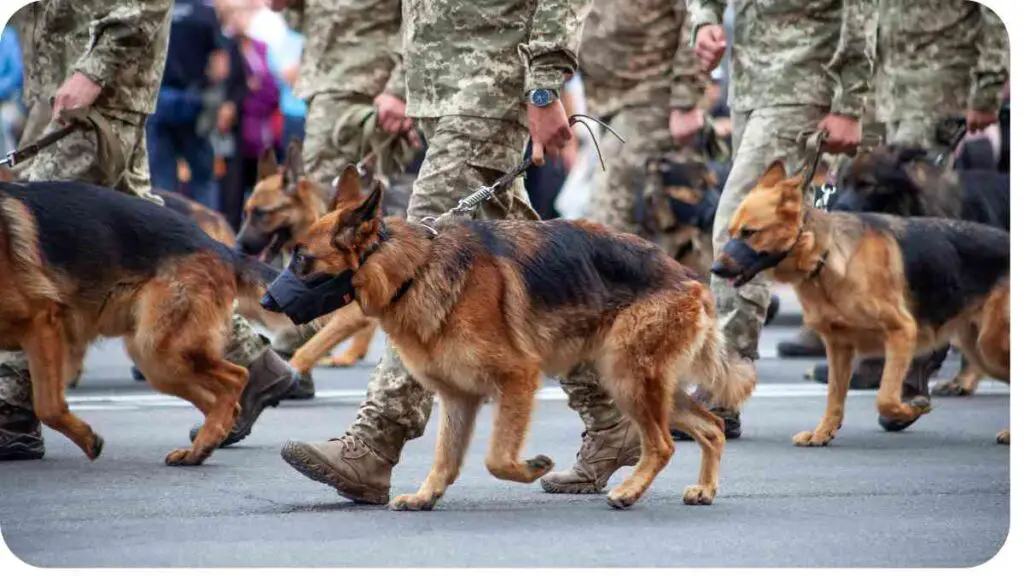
(271, 379)
(21, 437)
(346, 464)
(601, 455)
(915, 387)
(807, 344)
(304, 389)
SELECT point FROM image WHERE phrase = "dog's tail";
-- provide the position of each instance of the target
(20, 251)
(252, 275)
(728, 379)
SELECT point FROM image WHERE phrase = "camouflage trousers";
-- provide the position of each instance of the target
(463, 154)
(614, 189)
(912, 132)
(327, 147)
(74, 158)
(759, 137)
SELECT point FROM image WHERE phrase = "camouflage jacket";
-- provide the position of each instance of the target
(811, 52)
(352, 47)
(474, 58)
(939, 57)
(637, 52)
(120, 45)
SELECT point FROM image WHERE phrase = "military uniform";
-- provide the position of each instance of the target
(468, 68)
(636, 66)
(351, 55)
(937, 58)
(793, 62)
(122, 47)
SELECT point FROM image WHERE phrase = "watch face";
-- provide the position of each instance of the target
(541, 97)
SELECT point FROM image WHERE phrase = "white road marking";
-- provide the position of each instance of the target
(135, 401)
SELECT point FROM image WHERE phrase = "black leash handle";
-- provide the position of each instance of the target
(18, 156)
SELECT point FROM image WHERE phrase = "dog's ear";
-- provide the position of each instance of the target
(347, 187)
(267, 165)
(372, 205)
(292, 166)
(775, 173)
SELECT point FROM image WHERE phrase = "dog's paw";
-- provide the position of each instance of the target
(412, 502)
(812, 439)
(182, 457)
(95, 447)
(340, 361)
(951, 388)
(540, 465)
(698, 494)
(1004, 437)
(622, 498)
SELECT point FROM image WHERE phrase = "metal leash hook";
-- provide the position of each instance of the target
(469, 203)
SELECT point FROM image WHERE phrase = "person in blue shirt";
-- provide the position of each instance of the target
(284, 63)
(12, 110)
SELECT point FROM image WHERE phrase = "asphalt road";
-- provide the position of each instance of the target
(934, 495)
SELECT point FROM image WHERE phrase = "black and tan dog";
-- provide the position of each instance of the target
(874, 284)
(905, 181)
(80, 262)
(483, 309)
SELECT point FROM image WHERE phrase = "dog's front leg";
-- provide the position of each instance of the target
(840, 367)
(900, 344)
(357, 350)
(47, 353)
(458, 416)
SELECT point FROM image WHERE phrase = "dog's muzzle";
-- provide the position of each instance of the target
(303, 301)
(740, 263)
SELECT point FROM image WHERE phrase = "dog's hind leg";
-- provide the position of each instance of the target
(900, 344)
(840, 367)
(708, 430)
(512, 413)
(649, 403)
(963, 384)
(458, 416)
(357, 349)
(47, 352)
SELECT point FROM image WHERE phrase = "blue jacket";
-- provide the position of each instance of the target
(10, 65)
(279, 59)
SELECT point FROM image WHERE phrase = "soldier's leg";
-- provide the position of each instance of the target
(326, 150)
(767, 134)
(463, 155)
(20, 435)
(610, 441)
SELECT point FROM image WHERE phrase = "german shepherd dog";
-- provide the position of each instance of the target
(79, 262)
(904, 181)
(283, 206)
(482, 309)
(874, 284)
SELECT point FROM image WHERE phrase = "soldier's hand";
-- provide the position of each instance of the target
(843, 134)
(549, 129)
(684, 125)
(710, 46)
(391, 114)
(979, 120)
(277, 5)
(78, 91)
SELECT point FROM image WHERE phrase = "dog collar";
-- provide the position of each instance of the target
(819, 266)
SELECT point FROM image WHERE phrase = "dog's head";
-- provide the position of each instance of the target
(886, 180)
(325, 259)
(679, 192)
(764, 228)
(280, 208)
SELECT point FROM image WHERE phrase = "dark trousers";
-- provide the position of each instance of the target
(167, 142)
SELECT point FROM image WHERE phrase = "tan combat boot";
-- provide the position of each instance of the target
(346, 464)
(601, 455)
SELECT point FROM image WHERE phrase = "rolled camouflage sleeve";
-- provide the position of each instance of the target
(852, 65)
(550, 56)
(116, 35)
(990, 73)
(687, 81)
(703, 12)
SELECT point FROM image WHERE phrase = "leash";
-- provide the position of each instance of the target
(18, 156)
(958, 137)
(823, 194)
(469, 203)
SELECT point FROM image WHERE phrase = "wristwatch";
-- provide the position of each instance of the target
(541, 97)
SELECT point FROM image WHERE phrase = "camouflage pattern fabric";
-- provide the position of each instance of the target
(637, 53)
(795, 52)
(760, 137)
(245, 345)
(15, 384)
(327, 149)
(939, 57)
(614, 189)
(468, 58)
(352, 48)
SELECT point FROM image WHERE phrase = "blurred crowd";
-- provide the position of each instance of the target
(227, 94)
